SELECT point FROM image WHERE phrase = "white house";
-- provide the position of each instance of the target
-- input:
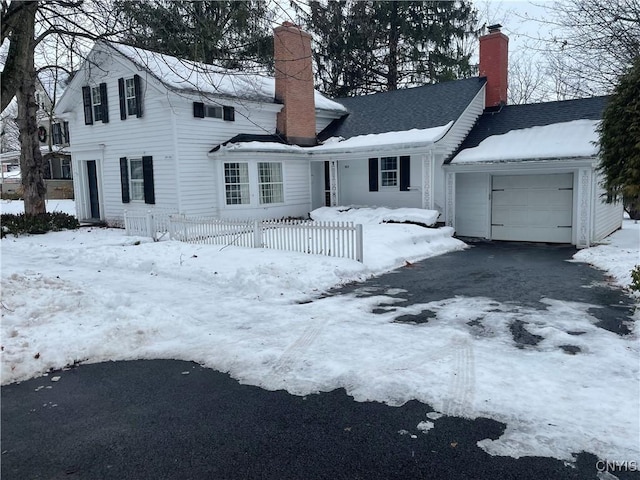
(155, 132)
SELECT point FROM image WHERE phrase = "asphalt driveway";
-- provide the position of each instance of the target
(167, 419)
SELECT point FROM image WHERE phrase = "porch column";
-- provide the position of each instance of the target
(450, 199)
(333, 182)
(427, 181)
(584, 202)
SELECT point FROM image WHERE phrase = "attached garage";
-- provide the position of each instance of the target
(530, 173)
(534, 208)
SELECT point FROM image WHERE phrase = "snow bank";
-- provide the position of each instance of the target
(94, 295)
(375, 215)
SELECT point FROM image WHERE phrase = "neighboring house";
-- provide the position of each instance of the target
(154, 132)
(53, 134)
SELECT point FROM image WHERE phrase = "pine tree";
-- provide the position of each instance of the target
(225, 33)
(620, 142)
(365, 46)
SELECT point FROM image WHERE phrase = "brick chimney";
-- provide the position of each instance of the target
(294, 84)
(494, 53)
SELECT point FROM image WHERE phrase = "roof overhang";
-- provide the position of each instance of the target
(524, 165)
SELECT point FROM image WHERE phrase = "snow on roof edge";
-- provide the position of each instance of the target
(562, 140)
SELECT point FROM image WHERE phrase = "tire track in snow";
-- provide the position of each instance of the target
(462, 380)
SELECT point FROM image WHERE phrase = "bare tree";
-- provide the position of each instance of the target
(28, 25)
(9, 134)
(591, 43)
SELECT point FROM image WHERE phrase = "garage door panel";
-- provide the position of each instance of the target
(540, 234)
(564, 180)
(532, 208)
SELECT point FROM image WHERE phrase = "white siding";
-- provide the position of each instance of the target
(451, 141)
(153, 137)
(297, 189)
(472, 204)
(353, 187)
(608, 216)
(197, 173)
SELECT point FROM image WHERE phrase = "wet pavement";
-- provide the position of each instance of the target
(167, 419)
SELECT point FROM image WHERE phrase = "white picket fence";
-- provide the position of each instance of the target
(147, 223)
(336, 239)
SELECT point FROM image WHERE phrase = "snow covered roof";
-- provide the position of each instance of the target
(180, 74)
(559, 140)
(390, 140)
(532, 141)
(401, 110)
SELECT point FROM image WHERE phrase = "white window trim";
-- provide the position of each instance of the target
(130, 82)
(254, 185)
(216, 108)
(248, 183)
(260, 183)
(380, 176)
(136, 181)
(96, 107)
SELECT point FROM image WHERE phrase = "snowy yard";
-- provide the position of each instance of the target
(95, 295)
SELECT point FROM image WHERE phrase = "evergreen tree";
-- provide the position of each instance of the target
(225, 33)
(368, 46)
(620, 142)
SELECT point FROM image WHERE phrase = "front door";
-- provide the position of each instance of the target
(92, 178)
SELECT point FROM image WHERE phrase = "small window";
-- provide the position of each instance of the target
(130, 95)
(212, 111)
(270, 182)
(65, 166)
(136, 179)
(236, 182)
(389, 171)
(96, 102)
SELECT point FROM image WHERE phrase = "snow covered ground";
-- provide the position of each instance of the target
(95, 295)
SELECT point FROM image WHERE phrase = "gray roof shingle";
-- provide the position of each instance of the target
(399, 110)
(516, 117)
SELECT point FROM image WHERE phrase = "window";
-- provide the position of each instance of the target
(60, 133)
(389, 171)
(66, 168)
(270, 182)
(130, 96)
(227, 113)
(94, 100)
(212, 112)
(136, 179)
(236, 182)
(96, 103)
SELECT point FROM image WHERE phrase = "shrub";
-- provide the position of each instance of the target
(635, 278)
(36, 224)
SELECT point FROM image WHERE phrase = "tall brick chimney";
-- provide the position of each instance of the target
(494, 53)
(294, 84)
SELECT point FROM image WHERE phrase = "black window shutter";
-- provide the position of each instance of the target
(373, 174)
(123, 99)
(229, 114)
(138, 91)
(405, 173)
(147, 174)
(65, 132)
(124, 179)
(105, 104)
(88, 109)
(198, 109)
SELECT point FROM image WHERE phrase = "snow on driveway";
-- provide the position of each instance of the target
(96, 295)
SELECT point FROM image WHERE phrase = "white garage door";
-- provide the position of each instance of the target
(533, 208)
